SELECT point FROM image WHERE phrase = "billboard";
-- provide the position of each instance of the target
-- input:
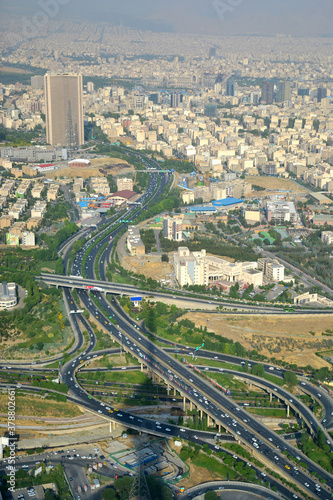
(136, 299)
(38, 471)
(12, 239)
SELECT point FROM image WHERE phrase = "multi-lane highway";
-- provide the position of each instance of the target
(217, 405)
(190, 301)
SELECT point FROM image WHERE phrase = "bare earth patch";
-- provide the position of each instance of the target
(292, 338)
(154, 270)
(100, 167)
(274, 183)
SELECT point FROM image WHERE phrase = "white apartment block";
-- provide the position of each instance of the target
(272, 269)
(39, 209)
(100, 185)
(198, 268)
(327, 237)
(124, 183)
(28, 239)
(173, 228)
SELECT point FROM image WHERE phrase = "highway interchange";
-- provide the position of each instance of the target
(246, 428)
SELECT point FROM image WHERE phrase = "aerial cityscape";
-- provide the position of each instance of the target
(166, 250)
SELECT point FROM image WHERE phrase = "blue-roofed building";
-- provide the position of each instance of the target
(83, 204)
(228, 203)
(202, 209)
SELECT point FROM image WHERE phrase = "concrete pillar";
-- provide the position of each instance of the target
(270, 397)
(174, 391)
(201, 414)
(191, 406)
(141, 367)
(209, 421)
(184, 404)
(168, 388)
(219, 428)
(288, 410)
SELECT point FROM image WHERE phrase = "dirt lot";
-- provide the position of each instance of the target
(154, 270)
(293, 339)
(100, 167)
(274, 183)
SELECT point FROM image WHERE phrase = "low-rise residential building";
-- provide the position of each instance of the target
(34, 222)
(7, 188)
(124, 183)
(6, 221)
(272, 269)
(21, 191)
(52, 192)
(37, 190)
(39, 209)
(100, 185)
(18, 208)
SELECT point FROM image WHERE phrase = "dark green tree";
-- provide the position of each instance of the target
(211, 495)
(258, 370)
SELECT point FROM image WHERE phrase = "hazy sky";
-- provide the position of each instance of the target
(296, 17)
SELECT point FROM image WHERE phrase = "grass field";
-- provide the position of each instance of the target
(115, 360)
(269, 412)
(215, 467)
(135, 377)
(30, 406)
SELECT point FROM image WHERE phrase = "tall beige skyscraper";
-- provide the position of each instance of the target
(64, 109)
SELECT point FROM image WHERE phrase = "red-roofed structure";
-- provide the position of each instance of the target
(122, 196)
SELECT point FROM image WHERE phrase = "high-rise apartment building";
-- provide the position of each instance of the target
(322, 93)
(173, 228)
(64, 109)
(212, 52)
(230, 87)
(37, 82)
(267, 92)
(284, 91)
(90, 87)
(176, 100)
